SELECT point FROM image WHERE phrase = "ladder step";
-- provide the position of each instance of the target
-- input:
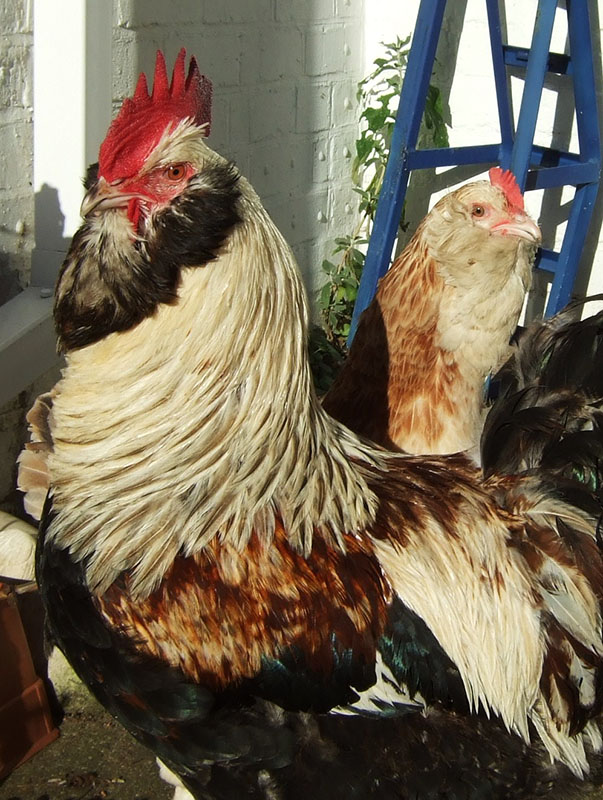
(557, 63)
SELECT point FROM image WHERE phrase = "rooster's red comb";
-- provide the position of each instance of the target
(505, 180)
(144, 118)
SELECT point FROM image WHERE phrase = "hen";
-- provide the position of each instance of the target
(223, 563)
(440, 323)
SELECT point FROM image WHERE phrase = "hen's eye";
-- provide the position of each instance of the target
(175, 172)
(478, 211)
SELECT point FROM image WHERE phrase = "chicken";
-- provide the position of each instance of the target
(255, 591)
(440, 323)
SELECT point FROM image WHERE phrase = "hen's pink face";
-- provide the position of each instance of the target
(510, 221)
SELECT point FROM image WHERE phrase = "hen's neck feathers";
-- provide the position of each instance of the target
(440, 323)
(204, 413)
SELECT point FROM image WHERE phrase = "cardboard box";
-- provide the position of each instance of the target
(26, 724)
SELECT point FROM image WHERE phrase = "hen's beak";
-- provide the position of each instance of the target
(105, 195)
(521, 226)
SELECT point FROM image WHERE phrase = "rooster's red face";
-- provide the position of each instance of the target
(143, 164)
(149, 191)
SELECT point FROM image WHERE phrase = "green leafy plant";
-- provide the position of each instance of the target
(378, 95)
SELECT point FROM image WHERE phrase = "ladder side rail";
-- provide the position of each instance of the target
(571, 249)
(503, 98)
(532, 91)
(404, 139)
(585, 96)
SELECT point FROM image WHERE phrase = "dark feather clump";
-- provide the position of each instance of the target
(103, 288)
(548, 415)
(91, 176)
(417, 660)
(191, 230)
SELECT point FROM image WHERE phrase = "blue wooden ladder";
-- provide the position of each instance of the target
(535, 167)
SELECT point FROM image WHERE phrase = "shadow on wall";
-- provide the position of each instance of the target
(256, 66)
(50, 226)
(9, 281)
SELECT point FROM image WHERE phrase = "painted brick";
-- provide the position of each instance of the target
(282, 164)
(342, 148)
(298, 216)
(313, 107)
(272, 110)
(297, 12)
(320, 159)
(154, 13)
(345, 106)
(218, 53)
(240, 104)
(353, 8)
(15, 17)
(125, 63)
(324, 51)
(220, 123)
(235, 11)
(251, 39)
(15, 73)
(343, 208)
(280, 53)
(16, 157)
(353, 47)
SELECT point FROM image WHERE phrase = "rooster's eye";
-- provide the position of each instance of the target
(478, 211)
(175, 172)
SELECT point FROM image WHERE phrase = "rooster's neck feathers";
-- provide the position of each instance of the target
(214, 466)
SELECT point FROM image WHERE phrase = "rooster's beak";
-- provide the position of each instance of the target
(105, 195)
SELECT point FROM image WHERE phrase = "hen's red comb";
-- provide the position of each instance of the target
(144, 118)
(505, 180)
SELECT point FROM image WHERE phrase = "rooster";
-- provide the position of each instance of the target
(238, 577)
(440, 323)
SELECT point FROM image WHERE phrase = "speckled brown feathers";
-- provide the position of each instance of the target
(396, 382)
(218, 615)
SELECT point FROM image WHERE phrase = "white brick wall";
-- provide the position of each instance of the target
(16, 200)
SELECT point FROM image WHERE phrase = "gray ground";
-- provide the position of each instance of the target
(93, 759)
